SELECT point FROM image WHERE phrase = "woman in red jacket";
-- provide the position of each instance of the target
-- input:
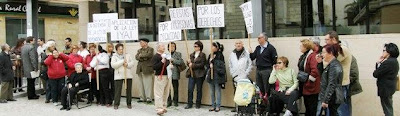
(93, 83)
(310, 86)
(56, 73)
(74, 58)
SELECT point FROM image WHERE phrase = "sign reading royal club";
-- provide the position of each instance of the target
(19, 7)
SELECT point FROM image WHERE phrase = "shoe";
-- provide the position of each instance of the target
(160, 112)
(217, 109)
(21, 90)
(129, 106)
(44, 93)
(211, 109)
(176, 104)
(89, 102)
(15, 91)
(115, 107)
(33, 98)
(63, 108)
(55, 103)
(148, 102)
(165, 110)
(108, 105)
(188, 107)
(197, 106)
(47, 101)
(139, 101)
(3, 101)
(288, 113)
(11, 100)
(233, 110)
(68, 108)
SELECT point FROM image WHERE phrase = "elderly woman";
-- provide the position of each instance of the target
(161, 85)
(78, 81)
(56, 73)
(310, 82)
(122, 63)
(331, 95)
(386, 72)
(287, 92)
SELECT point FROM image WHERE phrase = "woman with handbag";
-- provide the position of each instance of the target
(309, 77)
(386, 72)
(287, 92)
(331, 95)
(176, 68)
(216, 75)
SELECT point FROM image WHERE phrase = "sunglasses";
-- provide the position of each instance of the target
(384, 50)
(195, 46)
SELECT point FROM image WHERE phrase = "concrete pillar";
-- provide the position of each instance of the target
(258, 7)
(32, 18)
(83, 19)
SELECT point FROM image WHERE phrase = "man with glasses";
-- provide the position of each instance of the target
(265, 55)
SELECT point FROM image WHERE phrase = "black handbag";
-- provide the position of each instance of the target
(302, 76)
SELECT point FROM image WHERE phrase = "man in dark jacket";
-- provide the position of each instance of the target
(265, 55)
(78, 81)
(6, 75)
(30, 61)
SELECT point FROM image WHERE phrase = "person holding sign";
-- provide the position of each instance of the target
(101, 61)
(265, 56)
(119, 62)
(161, 85)
(196, 62)
(145, 71)
(217, 81)
(177, 61)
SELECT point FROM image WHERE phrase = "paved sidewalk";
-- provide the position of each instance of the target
(25, 107)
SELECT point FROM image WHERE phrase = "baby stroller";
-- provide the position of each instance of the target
(247, 97)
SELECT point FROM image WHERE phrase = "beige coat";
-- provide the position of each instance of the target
(117, 62)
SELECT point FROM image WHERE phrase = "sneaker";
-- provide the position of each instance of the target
(288, 113)
(55, 103)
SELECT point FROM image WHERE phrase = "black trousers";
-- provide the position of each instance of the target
(175, 85)
(262, 77)
(64, 95)
(311, 104)
(31, 87)
(387, 105)
(106, 81)
(56, 85)
(18, 82)
(93, 92)
(198, 82)
(279, 99)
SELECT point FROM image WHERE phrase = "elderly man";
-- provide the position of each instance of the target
(79, 80)
(6, 75)
(239, 64)
(265, 55)
(30, 61)
(161, 86)
(144, 71)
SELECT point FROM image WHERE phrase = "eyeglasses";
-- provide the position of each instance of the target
(279, 63)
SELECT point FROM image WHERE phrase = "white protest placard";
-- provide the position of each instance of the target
(105, 18)
(124, 29)
(210, 16)
(96, 32)
(167, 34)
(182, 18)
(248, 16)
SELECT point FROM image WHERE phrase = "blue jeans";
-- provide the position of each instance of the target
(215, 88)
(198, 82)
(345, 108)
(48, 92)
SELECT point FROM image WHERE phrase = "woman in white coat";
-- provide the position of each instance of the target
(122, 62)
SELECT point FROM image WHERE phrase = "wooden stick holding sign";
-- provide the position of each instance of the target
(187, 51)
(97, 68)
(248, 37)
(125, 61)
(212, 53)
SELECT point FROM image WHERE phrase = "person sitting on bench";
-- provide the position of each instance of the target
(78, 81)
(287, 92)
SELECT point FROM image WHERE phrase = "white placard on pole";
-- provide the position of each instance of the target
(167, 34)
(182, 18)
(105, 18)
(124, 29)
(96, 32)
(210, 16)
(248, 16)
